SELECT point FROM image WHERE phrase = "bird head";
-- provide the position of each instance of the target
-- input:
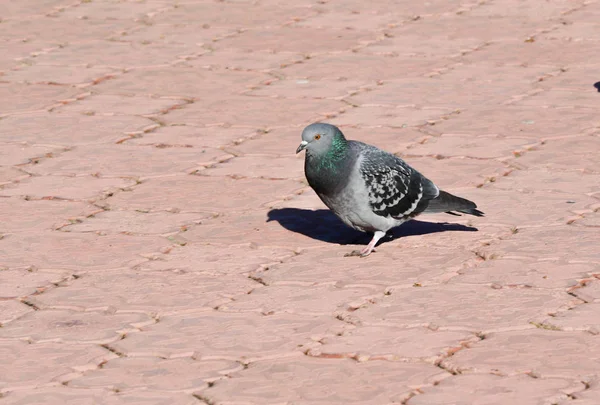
(318, 138)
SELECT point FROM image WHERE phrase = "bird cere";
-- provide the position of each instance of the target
(367, 188)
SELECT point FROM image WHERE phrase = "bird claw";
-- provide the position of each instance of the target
(361, 253)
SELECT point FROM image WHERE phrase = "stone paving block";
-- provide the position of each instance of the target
(377, 116)
(559, 153)
(539, 241)
(89, 396)
(14, 154)
(364, 67)
(166, 193)
(25, 8)
(488, 389)
(58, 75)
(183, 136)
(127, 374)
(393, 263)
(136, 222)
(377, 343)
(117, 54)
(451, 307)
(66, 187)
(127, 161)
(191, 82)
(525, 273)
(69, 130)
(21, 283)
(197, 37)
(488, 147)
(11, 310)
(88, 251)
(543, 353)
(72, 327)
(113, 10)
(558, 97)
(150, 292)
(217, 259)
(11, 175)
(279, 142)
(222, 335)
(317, 381)
(312, 89)
(274, 168)
(299, 39)
(20, 98)
(245, 112)
(580, 318)
(246, 60)
(571, 183)
(517, 121)
(107, 104)
(308, 300)
(58, 359)
(29, 215)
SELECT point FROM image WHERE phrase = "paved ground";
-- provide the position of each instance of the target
(159, 244)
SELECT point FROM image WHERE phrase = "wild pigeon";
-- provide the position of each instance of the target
(367, 188)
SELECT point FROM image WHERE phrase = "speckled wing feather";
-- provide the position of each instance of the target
(395, 189)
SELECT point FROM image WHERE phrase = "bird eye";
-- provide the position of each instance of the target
(317, 137)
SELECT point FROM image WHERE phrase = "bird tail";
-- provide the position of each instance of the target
(446, 202)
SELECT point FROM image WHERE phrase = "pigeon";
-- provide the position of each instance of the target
(367, 188)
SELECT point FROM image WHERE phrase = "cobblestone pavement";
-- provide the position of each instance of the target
(159, 244)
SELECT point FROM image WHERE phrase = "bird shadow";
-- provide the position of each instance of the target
(323, 225)
(597, 86)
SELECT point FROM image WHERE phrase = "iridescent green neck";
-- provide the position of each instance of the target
(334, 155)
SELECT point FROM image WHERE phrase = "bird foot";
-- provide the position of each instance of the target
(361, 253)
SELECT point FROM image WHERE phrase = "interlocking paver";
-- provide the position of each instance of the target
(160, 245)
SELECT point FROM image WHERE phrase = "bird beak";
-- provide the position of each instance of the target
(302, 146)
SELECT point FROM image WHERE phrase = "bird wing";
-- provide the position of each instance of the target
(394, 188)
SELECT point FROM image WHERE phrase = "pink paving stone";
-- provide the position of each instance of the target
(312, 89)
(246, 111)
(21, 283)
(176, 33)
(525, 273)
(480, 148)
(377, 116)
(17, 51)
(305, 381)
(151, 373)
(364, 67)
(107, 104)
(489, 389)
(66, 187)
(34, 365)
(118, 54)
(196, 193)
(73, 327)
(182, 136)
(220, 260)
(49, 74)
(11, 174)
(88, 251)
(24, 8)
(129, 10)
(557, 97)
(11, 310)
(278, 142)
(127, 161)
(581, 318)
(559, 154)
(150, 292)
(545, 353)
(36, 215)
(548, 243)
(570, 183)
(540, 207)
(136, 222)
(73, 396)
(246, 60)
(13, 154)
(342, 271)
(309, 300)
(299, 39)
(214, 334)
(68, 129)
(392, 344)
(19, 98)
(263, 167)
(187, 82)
(451, 306)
